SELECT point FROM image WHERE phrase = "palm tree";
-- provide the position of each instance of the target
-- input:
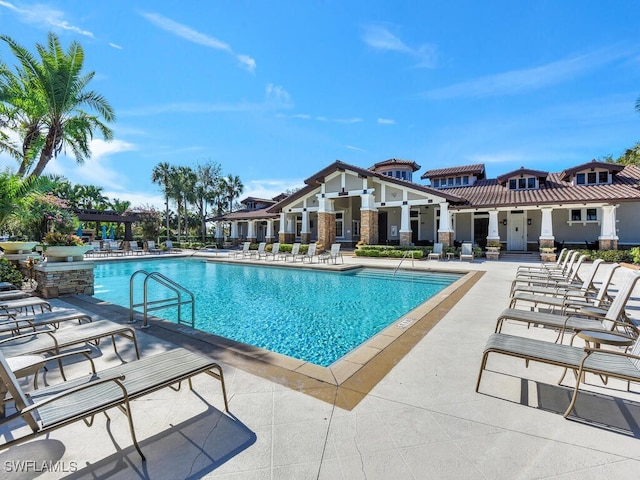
(161, 174)
(15, 191)
(48, 102)
(188, 179)
(232, 187)
(205, 192)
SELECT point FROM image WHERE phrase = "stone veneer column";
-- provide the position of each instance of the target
(233, 237)
(269, 237)
(64, 278)
(405, 225)
(326, 222)
(219, 232)
(369, 233)
(608, 239)
(445, 234)
(251, 231)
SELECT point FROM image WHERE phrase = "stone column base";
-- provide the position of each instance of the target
(270, 239)
(608, 244)
(252, 240)
(445, 238)
(405, 238)
(369, 227)
(492, 255)
(287, 237)
(305, 238)
(547, 242)
(68, 278)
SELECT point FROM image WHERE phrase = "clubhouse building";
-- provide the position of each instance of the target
(592, 205)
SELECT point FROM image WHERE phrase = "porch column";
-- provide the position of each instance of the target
(251, 231)
(305, 234)
(405, 224)
(326, 222)
(493, 226)
(608, 239)
(269, 238)
(369, 220)
(219, 231)
(234, 233)
(445, 235)
(546, 228)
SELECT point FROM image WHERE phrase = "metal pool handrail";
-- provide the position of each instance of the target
(165, 281)
(406, 252)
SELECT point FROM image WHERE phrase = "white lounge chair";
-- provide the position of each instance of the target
(333, 255)
(274, 254)
(466, 252)
(151, 247)
(244, 251)
(259, 253)
(311, 253)
(437, 252)
(294, 254)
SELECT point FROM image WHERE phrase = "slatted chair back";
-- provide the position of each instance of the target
(10, 383)
(616, 309)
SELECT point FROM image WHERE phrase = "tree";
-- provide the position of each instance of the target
(631, 156)
(46, 102)
(161, 174)
(187, 182)
(16, 192)
(206, 188)
(232, 188)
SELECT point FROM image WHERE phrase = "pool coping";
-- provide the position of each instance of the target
(348, 380)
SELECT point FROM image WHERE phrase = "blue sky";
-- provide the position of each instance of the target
(275, 91)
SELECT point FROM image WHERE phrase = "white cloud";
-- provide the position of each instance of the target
(496, 157)
(386, 121)
(114, 45)
(40, 14)
(275, 94)
(269, 188)
(357, 149)
(380, 38)
(194, 36)
(529, 79)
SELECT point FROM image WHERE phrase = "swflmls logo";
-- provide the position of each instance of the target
(40, 467)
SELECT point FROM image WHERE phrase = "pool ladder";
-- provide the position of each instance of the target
(406, 253)
(178, 300)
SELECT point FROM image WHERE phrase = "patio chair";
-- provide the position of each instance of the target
(466, 252)
(605, 363)
(564, 271)
(169, 246)
(582, 319)
(570, 280)
(13, 295)
(311, 253)
(53, 341)
(561, 260)
(50, 408)
(14, 323)
(151, 247)
(437, 252)
(332, 255)
(294, 254)
(557, 298)
(274, 254)
(23, 304)
(244, 251)
(259, 253)
(135, 248)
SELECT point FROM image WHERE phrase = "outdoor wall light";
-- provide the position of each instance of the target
(504, 222)
(529, 221)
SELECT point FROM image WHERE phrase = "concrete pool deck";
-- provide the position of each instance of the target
(422, 419)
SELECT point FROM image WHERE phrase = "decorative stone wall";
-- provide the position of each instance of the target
(326, 228)
(445, 238)
(369, 233)
(608, 244)
(59, 279)
(547, 242)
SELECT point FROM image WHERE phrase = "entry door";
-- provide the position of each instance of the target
(516, 232)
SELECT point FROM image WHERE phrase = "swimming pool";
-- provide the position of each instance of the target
(315, 316)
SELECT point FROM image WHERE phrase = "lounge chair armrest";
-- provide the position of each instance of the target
(86, 352)
(26, 335)
(590, 350)
(116, 378)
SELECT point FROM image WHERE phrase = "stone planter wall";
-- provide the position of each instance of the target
(64, 278)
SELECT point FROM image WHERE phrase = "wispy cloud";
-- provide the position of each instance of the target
(115, 45)
(380, 38)
(43, 15)
(269, 188)
(357, 149)
(527, 80)
(321, 118)
(194, 36)
(386, 121)
(277, 96)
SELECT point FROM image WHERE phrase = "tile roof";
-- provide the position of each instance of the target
(612, 167)
(522, 171)
(477, 169)
(490, 193)
(396, 161)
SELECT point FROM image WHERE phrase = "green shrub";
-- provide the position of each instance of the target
(635, 254)
(9, 273)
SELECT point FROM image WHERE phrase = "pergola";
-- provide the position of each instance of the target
(98, 216)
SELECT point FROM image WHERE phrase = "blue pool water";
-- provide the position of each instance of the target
(316, 316)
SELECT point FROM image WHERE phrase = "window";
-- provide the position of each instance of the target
(465, 180)
(591, 178)
(603, 177)
(458, 181)
(450, 182)
(580, 179)
(576, 215)
(356, 227)
(592, 214)
(298, 225)
(531, 183)
(522, 183)
(525, 183)
(339, 224)
(513, 185)
(436, 182)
